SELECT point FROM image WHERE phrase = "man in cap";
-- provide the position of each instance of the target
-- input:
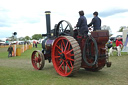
(96, 22)
(82, 24)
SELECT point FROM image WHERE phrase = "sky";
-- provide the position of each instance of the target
(27, 17)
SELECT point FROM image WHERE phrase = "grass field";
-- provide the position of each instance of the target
(19, 71)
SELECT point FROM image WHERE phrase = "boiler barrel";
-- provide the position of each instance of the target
(47, 44)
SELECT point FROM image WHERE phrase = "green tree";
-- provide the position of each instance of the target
(27, 38)
(121, 28)
(12, 38)
(21, 39)
(37, 36)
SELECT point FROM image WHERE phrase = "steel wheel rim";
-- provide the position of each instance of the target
(36, 60)
(63, 56)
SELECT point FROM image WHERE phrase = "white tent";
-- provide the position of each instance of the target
(125, 40)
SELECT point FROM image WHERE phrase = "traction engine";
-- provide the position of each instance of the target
(69, 51)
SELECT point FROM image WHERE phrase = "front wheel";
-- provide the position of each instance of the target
(37, 60)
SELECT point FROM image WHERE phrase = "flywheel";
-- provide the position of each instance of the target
(64, 28)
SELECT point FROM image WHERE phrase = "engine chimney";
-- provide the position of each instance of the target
(48, 24)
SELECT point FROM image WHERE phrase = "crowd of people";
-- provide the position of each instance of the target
(117, 42)
(117, 47)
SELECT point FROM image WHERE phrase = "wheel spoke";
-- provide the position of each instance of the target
(62, 47)
(63, 43)
(69, 47)
(66, 47)
(61, 65)
(57, 56)
(71, 63)
(64, 66)
(59, 52)
(70, 59)
(58, 47)
(66, 69)
(35, 63)
(71, 54)
(66, 28)
(60, 60)
(68, 66)
(69, 51)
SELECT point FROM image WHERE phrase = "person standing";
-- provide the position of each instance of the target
(82, 23)
(36, 44)
(10, 49)
(96, 22)
(119, 42)
(33, 44)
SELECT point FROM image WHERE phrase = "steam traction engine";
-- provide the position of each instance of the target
(68, 51)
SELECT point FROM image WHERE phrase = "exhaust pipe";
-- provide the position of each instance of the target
(48, 24)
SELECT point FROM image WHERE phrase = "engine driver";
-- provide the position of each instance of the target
(82, 24)
(96, 22)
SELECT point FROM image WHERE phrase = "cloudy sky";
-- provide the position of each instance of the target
(27, 17)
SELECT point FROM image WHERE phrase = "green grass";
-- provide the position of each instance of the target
(19, 71)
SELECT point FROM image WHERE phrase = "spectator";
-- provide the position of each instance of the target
(109, 44)
(36, 44)
(118, 41)
(10, 49)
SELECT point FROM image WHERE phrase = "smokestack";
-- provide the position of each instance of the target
(48, 24)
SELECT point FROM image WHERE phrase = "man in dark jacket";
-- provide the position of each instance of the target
(82, 23)
(10, 49)
(96, 22)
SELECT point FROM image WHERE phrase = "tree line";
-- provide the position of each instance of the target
(34, 37)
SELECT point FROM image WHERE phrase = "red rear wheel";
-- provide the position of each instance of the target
(38, 60)
(66, 56)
